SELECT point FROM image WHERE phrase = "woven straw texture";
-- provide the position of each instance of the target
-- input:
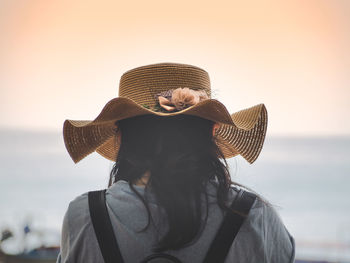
(241, 133)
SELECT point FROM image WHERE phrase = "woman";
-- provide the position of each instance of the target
(170, 192)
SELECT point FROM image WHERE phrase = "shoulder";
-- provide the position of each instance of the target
(277, 243)
(264, 231)
(76, 241)
(77, 215)
(78, 206)
(280, 244)
(266, 215)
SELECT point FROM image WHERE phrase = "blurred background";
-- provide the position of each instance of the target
(63, 60)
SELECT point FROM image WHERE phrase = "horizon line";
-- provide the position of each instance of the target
(39, 130)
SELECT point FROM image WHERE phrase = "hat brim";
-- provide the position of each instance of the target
(241, 133)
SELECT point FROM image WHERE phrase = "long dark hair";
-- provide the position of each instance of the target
(182, 156)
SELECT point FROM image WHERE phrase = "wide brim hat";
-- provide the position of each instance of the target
(241, 133)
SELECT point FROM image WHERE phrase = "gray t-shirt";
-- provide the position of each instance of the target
(263, 238)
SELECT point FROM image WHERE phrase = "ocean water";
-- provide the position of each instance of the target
(306, 178)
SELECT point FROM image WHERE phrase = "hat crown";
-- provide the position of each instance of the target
(143, 83)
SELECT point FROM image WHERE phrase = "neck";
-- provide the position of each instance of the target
(143, 180)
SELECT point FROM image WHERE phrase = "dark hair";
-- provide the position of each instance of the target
(182, 157)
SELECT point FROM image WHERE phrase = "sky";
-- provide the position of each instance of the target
(63, 59)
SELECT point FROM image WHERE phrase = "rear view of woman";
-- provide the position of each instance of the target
(170, 197)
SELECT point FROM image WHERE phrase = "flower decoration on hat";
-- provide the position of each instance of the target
(179, 99)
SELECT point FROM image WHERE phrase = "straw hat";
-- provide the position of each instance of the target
(150, 90)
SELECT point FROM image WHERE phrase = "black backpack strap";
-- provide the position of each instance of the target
(230, 227)
(103, 227)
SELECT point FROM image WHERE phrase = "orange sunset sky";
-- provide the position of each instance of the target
(63, 59)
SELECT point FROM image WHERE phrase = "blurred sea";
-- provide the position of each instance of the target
(306, 178)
